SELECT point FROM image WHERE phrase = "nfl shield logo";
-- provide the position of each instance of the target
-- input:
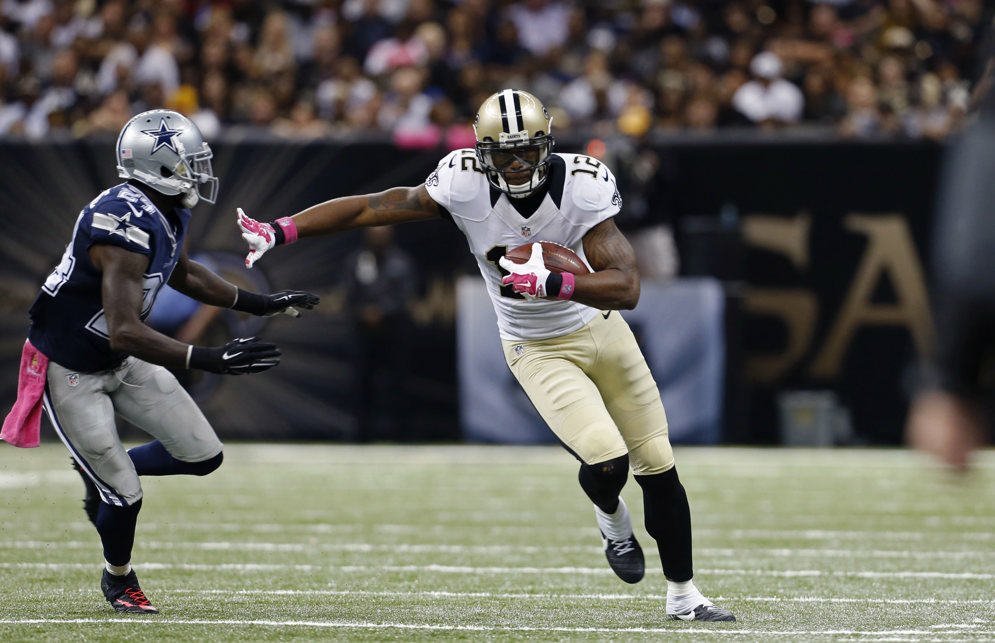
(73, 379)
(519, 350)
(526, 231)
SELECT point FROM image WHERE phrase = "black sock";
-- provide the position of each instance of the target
(116, 526)
(668, 521)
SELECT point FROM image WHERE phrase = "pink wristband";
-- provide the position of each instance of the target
(567, 287)
(289, 229)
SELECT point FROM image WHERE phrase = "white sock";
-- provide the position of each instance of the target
(678, 589)
(616, 526)
(684, 597)
(118, 570)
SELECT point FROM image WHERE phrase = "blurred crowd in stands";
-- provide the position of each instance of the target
(418, 69)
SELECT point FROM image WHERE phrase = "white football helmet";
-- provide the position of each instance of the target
(513, 141)
(164, 150)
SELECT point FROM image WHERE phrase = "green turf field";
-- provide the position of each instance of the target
(378, 543)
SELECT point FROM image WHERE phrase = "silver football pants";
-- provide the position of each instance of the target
(82, 407)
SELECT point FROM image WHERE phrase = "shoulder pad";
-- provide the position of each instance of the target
(124, 217)
(594, 186)
(458, 178)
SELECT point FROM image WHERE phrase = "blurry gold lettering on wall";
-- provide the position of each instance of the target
(799, 310)
(890, 252)
(788, 237)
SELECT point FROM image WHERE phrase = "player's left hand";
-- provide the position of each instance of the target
(286, 302)
(529, 278)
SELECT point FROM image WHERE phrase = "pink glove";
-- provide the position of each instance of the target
(263, 236)
(259, 236)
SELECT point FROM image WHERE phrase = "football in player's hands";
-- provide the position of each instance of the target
(557, 258)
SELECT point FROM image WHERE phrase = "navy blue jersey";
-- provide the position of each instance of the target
(67, 318)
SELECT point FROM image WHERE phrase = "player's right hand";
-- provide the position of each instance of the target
(241, 355)
(529, 278)
(260, 237)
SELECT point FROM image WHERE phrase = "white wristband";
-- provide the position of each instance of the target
(189, 352)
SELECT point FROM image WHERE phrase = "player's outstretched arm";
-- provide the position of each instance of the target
(396, 205)
(199, 282)
(121, 293)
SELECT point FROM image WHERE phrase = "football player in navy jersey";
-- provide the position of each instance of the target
(578, 362)
(88, 321)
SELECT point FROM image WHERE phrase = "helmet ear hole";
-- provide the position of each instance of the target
(165, 172)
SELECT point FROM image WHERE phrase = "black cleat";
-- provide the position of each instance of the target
(710, 613)
(91, 502)
(625, 558)
(124, 594)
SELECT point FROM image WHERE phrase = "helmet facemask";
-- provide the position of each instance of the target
(505, 163)
(193, 173)
(513, 141)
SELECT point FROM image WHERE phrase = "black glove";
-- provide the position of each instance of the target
(241, 355)
(284, 302)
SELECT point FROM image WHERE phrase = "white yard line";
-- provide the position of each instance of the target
(605, 597)
(778, 552)
(475, 570)
(726, 534)
(697, 632)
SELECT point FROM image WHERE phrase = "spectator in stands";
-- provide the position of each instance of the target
(325, 53)
(594, 96)
(406, 107)
(542, 25)
(365, 27)
(302, 122)
(769, 100)
(59, 104)
(344, 92)
(863, 116)
(214, 99)
(111, 115)
(893, 85)
(10, 52)
(403, 48)
(274, 54)
(16, 116)
(187, 102)
(932, 116)
(823, 103)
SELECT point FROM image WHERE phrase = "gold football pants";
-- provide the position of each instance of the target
(595, 391)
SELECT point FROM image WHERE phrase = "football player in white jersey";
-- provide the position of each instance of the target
(578, 362)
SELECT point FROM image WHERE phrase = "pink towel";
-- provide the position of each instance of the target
(22, 427)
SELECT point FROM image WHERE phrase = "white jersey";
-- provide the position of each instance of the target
(581, 193)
